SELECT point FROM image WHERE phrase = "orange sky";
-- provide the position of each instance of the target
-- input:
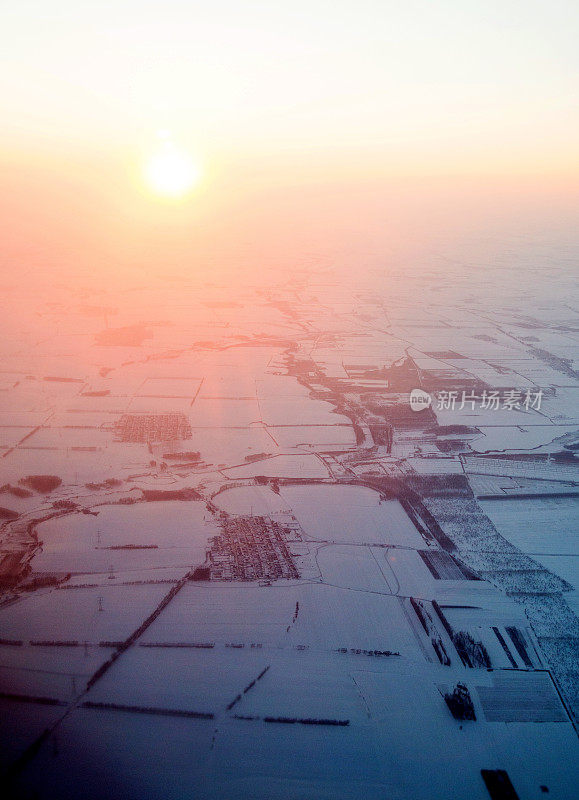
(314, 124)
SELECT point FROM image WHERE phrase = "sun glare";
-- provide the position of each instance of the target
(171, 172)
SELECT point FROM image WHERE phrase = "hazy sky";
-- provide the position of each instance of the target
(314, 115)
(413, 80)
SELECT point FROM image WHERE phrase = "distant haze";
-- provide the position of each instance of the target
(326, 127)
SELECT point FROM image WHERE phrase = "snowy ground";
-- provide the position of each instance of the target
(150, 685)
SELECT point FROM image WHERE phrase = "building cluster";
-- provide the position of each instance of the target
(250, 549)
(145, 428)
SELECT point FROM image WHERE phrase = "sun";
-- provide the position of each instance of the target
(171, 172)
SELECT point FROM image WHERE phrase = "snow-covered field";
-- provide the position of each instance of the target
(350, 514)
(160, 534)
(329, 685)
